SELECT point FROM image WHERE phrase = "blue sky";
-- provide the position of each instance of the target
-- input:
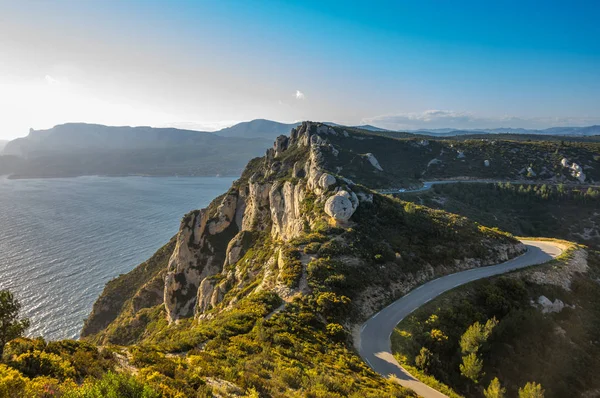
(208, 64)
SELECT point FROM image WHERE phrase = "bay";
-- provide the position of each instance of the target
(62, 239)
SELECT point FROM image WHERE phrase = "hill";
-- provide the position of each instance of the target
(404, 161)
(2, 144)
(259, 293)
(271, 278)
(258, 128)
(87, 149)
(71, 137)
(546, 315)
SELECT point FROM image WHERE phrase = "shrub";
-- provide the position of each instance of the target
(312, 248)
(12, 382)
(41, 363)
(531, 390)
(335, 330)
(112, 385)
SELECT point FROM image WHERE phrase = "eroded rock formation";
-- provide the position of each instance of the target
(210, 241)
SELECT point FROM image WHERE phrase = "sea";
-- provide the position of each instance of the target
(62, 239)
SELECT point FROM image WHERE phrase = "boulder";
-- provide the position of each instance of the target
(341, 206)
(326, 181)
(373, 160)
(548, 306)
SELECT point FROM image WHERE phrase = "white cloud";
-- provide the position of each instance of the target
(439, 119)
(51, 81)
(300, 95)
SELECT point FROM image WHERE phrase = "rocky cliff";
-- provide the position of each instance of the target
(294, 227)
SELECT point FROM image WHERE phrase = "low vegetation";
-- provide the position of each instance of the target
(494, 329)
(408, 159)
(525, 210)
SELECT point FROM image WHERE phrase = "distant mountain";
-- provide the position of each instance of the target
(565, 131)
(258, 128)
(85, 137)
(262, 128)
(75, 149)
(370, 128)
(2, 144)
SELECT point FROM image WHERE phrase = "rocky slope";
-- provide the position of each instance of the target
(291, 226)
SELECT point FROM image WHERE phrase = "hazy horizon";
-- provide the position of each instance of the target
(209, 65)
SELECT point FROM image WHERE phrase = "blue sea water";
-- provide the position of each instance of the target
(62, 239)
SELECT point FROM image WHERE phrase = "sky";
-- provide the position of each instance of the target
(209, 64)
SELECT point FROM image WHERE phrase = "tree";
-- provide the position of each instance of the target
(475, 335)
(11, 326)
(531, 390)
(424, 359)
(471, 367)
(494, 390)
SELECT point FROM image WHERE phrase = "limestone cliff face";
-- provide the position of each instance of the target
(269, 199)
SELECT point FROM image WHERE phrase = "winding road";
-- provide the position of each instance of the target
(429, 184)
(373, 342)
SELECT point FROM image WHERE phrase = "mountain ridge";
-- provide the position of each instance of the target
(293, 250)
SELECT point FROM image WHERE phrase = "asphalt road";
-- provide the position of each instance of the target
(374, 343)
(428, 184)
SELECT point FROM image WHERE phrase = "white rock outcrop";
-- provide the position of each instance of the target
(548, 306)
(373, 160)
(486, 163)
(575, 169)
(577, 172)
(285, 202)
(341, 206)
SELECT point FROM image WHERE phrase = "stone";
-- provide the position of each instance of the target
(326, 181)
(280, 145)
(341, 206)
(577, 172)
(225, 213)
(298, 170)
(548, 306)
(461, 155)
(285, 203)
(373, 160)
(486, 163)
(184, 273)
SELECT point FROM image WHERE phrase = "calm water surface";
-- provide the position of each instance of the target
(61, 240)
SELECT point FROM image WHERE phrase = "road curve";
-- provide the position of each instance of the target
(373, 342)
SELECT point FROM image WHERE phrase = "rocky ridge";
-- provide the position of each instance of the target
(287, 223)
